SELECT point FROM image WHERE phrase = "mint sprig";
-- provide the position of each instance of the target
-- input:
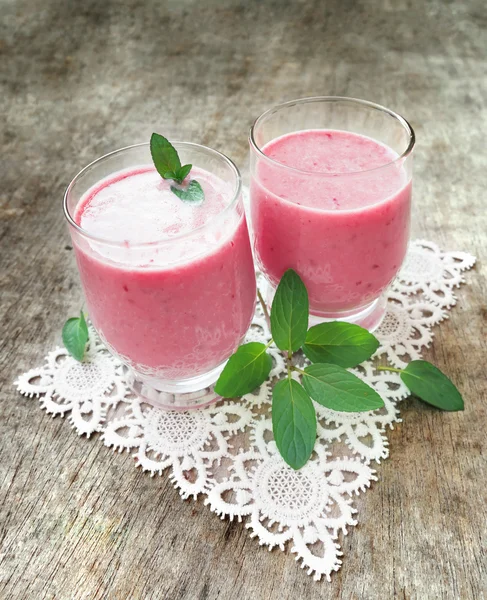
(332, 348)
(168, 165)
(75, 336)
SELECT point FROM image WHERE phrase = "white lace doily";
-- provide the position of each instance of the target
(226, 452)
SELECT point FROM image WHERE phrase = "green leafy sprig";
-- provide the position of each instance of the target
(332, 348)
(168, 165)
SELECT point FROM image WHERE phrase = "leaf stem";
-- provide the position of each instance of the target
(380, 368)
(298, 370)
(264, 306)
(289, 363)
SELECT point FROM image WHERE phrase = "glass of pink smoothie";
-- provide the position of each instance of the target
(170, 287)
(330, 197)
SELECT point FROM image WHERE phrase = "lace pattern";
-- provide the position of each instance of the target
(226, 452)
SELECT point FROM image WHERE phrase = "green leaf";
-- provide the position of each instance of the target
(193, 193)
(164, 155)
(75, 336)
(429, 384)
(338, 389)
(293, 422)
(340, 343)
(289, 314)
(182, 173)
(245, 370)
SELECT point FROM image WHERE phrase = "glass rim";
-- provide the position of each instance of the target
(260, 119)
(236, 195)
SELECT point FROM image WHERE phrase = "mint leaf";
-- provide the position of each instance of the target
(340, 343)
(429, 384)
(293, 422)
(193, 193)
(75, 336)
(182, 173)
(245, 370)
(338, 389)
(164, 155)
(289, 314)
(166, 160)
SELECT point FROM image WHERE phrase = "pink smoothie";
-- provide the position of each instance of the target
(335, 217)
(174, 294)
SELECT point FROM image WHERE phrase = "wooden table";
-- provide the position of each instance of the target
(82, 78)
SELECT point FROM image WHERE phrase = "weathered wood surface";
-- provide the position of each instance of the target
(81, 78)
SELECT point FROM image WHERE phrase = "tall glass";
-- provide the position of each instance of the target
(347, 254)
(173, 310)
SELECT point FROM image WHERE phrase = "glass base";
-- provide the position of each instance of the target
(369, 317)
(189, 394)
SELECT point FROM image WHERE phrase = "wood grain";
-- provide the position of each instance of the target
(81, 78)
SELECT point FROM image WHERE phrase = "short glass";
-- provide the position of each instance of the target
(174, 321)
(347, 257)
